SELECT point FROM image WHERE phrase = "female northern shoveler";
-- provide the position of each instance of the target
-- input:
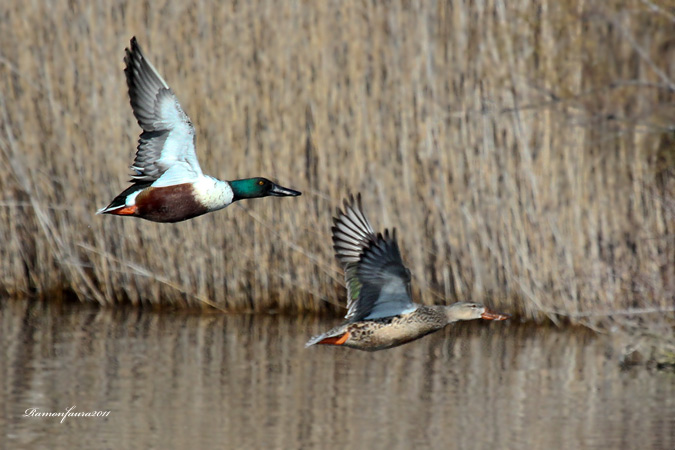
(380, 311)
(168, 184)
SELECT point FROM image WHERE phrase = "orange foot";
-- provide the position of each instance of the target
(336, 340)
(126, 211)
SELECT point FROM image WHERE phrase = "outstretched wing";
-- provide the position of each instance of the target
(352, 233)
(168, 138)
(378, 283)
(385, 281)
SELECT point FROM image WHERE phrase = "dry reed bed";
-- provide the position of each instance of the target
(525, 152)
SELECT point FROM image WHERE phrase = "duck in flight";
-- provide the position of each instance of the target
(168, 184)
(380, 311)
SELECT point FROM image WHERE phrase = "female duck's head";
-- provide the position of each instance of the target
(469, 311)
(259, 187)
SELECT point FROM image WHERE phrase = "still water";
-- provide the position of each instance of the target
(176, 380)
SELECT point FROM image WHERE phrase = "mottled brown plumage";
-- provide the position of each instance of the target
(381, 313)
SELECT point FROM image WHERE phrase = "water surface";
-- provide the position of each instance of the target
(176, 380)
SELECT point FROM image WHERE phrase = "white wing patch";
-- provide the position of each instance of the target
(179, 144)
(178, 173)
(168, 138)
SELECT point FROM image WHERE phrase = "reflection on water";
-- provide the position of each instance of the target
(176, 380)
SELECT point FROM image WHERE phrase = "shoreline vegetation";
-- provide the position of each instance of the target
(525, 153)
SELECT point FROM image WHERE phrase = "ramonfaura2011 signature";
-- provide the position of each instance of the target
(35, 412)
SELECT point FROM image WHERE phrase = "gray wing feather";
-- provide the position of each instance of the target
(351, 234)
(378, 284)
(351, 231)
(385, 281)
(168, 136)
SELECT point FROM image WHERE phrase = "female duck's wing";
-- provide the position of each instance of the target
(378, 284)
(385, 281)
(352, 233)
(168, 138)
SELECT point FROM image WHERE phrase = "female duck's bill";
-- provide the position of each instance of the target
(380, 311)
(493, 315)
(168, 183)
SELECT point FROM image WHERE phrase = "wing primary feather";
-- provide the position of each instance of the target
(167, 140)
(378, 283)
(351, 231)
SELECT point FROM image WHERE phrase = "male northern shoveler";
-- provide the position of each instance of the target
(380, 311)
(168, 184)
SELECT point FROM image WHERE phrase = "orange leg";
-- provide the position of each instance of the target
(127, 211)
(336, 340)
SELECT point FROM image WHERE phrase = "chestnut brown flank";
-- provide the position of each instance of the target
(169, 204)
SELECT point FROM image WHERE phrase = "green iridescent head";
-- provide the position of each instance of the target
(259, 187)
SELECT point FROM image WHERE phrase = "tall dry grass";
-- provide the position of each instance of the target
(524, 150)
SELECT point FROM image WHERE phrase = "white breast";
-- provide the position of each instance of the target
(213, 193)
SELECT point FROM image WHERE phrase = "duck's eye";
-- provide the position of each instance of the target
(261, 182)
